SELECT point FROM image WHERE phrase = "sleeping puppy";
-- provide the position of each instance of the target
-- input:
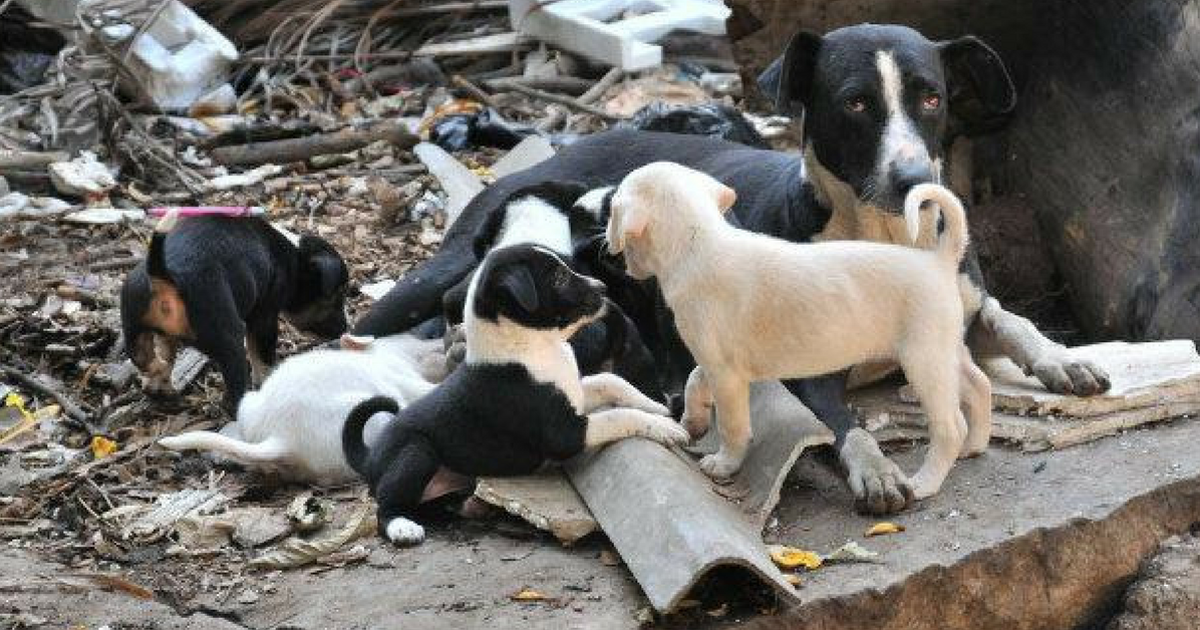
(517, 402)
(220, 284)
(751, 307)
(292, 426)
(545, 214)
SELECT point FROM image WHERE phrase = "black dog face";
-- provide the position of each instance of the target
(319, 305)
(877, 100)
(532, 287)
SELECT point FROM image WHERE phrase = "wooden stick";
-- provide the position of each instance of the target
(561, 100)
(73, 410)
(30, 159)
(473, 90)
(569, 85)
(300, 149)
(609, 79)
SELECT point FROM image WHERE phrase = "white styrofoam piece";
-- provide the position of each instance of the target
(588, 27)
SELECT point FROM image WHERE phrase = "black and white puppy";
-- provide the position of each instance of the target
(220, 285)
(517, 402)
(880, 105)
(545, 214)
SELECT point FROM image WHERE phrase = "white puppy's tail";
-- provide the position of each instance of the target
(268, 451)
(952, 243)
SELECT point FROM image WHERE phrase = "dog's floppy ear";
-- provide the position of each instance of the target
(788, 80)
(725, 196)
(625, 220)
(518, 283)
(981, 91)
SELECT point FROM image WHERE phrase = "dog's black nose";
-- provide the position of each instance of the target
(906, 175)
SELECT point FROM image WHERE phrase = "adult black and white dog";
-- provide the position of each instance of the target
(880, 104)
(517, 402)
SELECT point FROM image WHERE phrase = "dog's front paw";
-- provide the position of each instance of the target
(1063, 375)
(720, 465)
(664, 430)
(878, 484)
(402, 531)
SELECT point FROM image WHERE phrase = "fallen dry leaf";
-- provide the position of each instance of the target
(792, 578)
(528, 595)
(791, 557)
(102, 447)
(880, 529)
(295, 552)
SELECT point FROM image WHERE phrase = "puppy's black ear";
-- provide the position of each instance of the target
(788, 80)
(981, 91)
(518, 283)
(323, 263)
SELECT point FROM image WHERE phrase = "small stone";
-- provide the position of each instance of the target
(248, 596)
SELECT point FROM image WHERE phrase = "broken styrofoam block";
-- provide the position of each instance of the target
(83, 176)
(616, 32)
(180, 61)
(15, 205)
(528, 152)
(104, 216)
(240, 180)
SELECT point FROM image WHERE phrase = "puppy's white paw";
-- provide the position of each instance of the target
(404, 532)
(664, 430)
(650, 406)
(924, 486)
(720, 465)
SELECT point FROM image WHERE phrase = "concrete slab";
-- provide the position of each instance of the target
(671, 525)
(459, 183)
(1151, 382)
(545, 500)
(528, 152)
(1013, 541)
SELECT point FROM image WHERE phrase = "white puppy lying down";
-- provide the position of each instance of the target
(751, 307)
(292, 425)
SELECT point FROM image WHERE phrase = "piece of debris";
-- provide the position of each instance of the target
(83, 176)
(790, 557)
(851, 552)
(102, 447)
(882, 529)
(295, 552)
(546, 500)
(460, 184)
(528, 595)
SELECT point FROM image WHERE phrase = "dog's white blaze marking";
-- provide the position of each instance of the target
(532, 220)
(900, 139)
(592, 201)
(291, 236)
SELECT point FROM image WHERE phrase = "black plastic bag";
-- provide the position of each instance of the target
(711, 119)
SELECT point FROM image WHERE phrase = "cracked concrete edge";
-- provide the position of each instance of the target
(1070, 576)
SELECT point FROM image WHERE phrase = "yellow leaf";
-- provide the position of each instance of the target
(791, 557)
(528, 595)
(879, 529)
(102, 447)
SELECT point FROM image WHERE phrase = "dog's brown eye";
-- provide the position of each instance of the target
(857, 104)
(931, 101)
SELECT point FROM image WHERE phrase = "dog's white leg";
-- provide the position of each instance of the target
(733, 423)
(402, 531)
(934, 376)
(697, 404)
(1017, 338)
(611, 425)
(975, 393)
(610, 390)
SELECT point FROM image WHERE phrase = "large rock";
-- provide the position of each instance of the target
(1167, 594)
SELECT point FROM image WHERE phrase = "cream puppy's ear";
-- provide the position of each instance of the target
(726, 197)
(626, 220)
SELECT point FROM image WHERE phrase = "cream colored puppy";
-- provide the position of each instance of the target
(751, 307)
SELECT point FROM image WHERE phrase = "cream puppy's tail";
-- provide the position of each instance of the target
(268, 451)
(953, 242)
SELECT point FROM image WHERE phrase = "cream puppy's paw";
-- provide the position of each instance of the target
(720, 465)
(1063, 375)
(664, 430)
(924, 486)
(878, 484)
(402, 531)
(650, 406)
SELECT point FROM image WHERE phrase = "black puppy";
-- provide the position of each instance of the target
(544, 214)
(517, 402)
(880, 105)
(220, 284)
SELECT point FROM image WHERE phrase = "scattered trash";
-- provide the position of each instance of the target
(483, 128)
(83, 176)
(792, 579)
(306, 513)
(851, 552)
(790, 557)
(709, 119)
(295, 552)
(103, 216)
(884, 528)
